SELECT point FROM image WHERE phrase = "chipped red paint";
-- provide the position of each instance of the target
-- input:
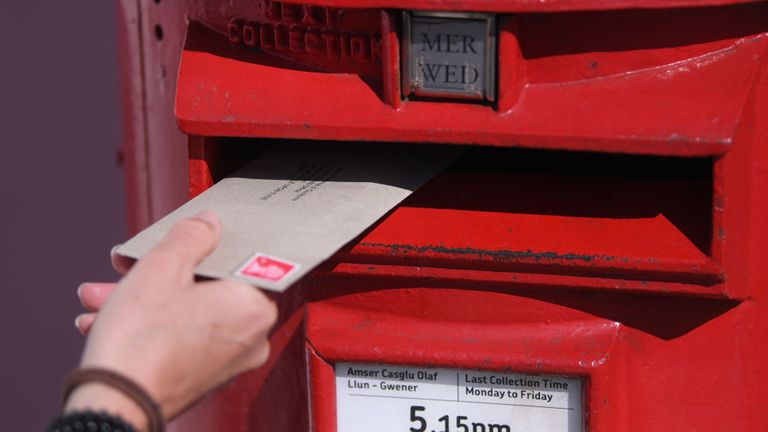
(644, 275)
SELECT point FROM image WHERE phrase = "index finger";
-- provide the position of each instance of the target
(120, 263)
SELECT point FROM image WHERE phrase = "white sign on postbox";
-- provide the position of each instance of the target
(384, 398)
(449, 54)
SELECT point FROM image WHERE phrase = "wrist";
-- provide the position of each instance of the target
(101, 397)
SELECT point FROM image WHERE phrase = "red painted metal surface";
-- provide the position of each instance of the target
(671, 101)
(151, 35)
(644, 275)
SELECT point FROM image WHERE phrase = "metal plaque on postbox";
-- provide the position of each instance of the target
(449, 55)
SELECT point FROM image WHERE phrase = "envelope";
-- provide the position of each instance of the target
(296, 204)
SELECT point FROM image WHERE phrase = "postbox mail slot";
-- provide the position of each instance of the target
(587, 216)
(542, 212)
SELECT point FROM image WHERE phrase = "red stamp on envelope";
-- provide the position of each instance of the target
(267, 268)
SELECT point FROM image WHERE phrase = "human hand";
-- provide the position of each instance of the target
(177, 338)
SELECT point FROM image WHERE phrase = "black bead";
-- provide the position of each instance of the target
(89, 421)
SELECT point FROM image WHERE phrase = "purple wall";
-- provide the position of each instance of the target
(61, 193)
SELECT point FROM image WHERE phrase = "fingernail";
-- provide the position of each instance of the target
(80, 289)
(114, 249)
(77, 322)
(208, 216)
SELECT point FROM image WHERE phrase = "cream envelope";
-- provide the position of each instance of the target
(297, 204)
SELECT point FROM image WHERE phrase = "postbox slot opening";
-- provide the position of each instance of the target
(545, 212)
(582, 214)
(579, 185)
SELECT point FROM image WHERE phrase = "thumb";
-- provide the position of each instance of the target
(189, 240)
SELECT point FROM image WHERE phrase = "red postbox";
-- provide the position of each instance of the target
(600, 240)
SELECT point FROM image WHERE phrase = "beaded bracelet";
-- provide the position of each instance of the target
(88, 421)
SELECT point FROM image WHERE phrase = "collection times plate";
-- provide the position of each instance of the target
(383, 398)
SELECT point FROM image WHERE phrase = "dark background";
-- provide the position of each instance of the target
(61, 190)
